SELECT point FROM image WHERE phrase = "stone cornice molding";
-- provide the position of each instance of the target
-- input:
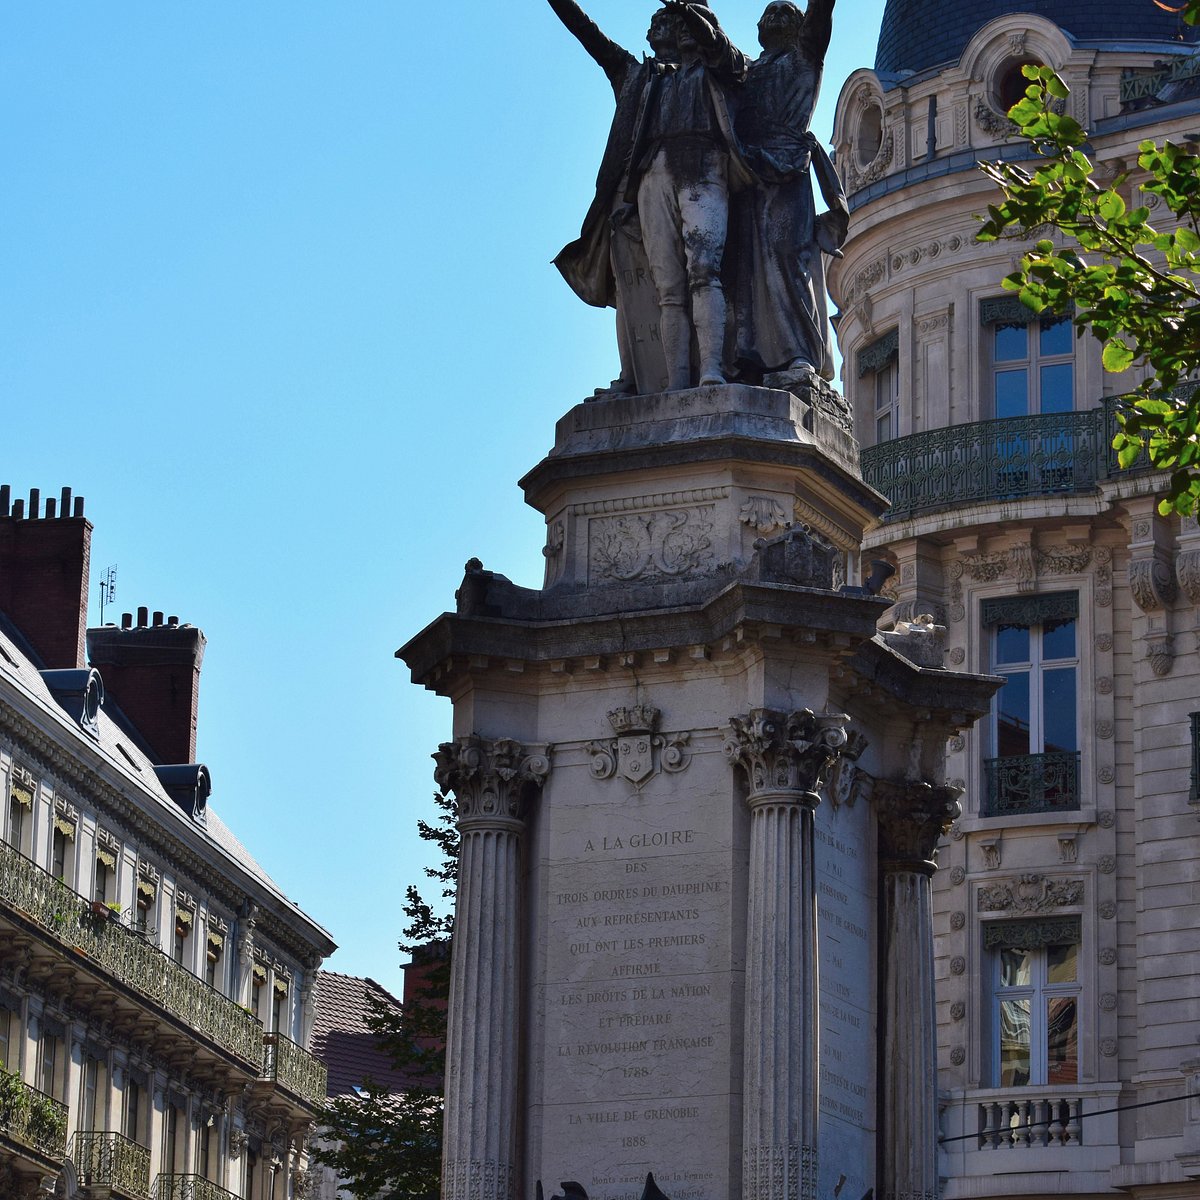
(912, 817)
(786, 756)
(491, 779)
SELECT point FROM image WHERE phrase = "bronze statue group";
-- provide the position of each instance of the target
(703, 233)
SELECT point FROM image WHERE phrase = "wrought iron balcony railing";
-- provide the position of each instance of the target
(188, 1187)
(1002, 459)
(31, 1117)
(292, 1067)
(134, 962)
(1031, 783)
(109, 1160)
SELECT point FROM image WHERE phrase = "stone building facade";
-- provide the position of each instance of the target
(1065, 912)
(156, 987)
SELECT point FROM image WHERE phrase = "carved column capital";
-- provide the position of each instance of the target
(912, 817)
(785, 752)
(491, 778)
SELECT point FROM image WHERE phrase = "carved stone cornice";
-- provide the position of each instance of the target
(912, 817)
(785, 752)
(491, 779)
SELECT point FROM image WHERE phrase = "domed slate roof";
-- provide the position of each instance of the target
(917, 34)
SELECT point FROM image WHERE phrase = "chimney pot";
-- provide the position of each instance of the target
(5, 498)
(127, 620)
(65, 505)
(158, 618)
(35, 503)
(173, 621)
(19, 510)
(143, 616)
(51, 511)
(78, 506)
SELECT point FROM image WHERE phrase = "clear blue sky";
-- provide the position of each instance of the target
(276, 297)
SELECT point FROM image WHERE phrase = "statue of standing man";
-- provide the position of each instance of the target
(678, 159)
(777, 242)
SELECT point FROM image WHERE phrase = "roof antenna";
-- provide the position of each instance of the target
(108, 589)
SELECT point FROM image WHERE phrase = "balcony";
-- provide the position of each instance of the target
(1004, 459)
(291, 1067)
(109, 1161)
(32, 1119)
(103, 944)
(189, 1187)
(1031, 783)
(1019, 1123)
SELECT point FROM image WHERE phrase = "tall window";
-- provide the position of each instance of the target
(7, 1058)
(214, 944)
(173, 1134)
(1035, 1002)
(258, 988)
(131, 1115)
(1034, 727)
(20, 817)
(60, 853)
(279, 1008)
(92, 1086)
(887, 402)
(1033, 369)
(49, 1072)
(183, 929)
(106, 875)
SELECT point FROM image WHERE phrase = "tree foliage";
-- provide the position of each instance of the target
(388, 1144)
(1132, 283)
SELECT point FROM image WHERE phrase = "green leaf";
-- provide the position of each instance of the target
(1117, 356)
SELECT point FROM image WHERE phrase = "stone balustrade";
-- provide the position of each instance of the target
(1030, 1120)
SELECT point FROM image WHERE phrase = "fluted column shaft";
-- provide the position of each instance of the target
(780, 1082)
(479, 1133)
(785, 758)
(492, 783)
(912, 816)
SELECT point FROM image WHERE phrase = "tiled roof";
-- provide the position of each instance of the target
(341, 1039)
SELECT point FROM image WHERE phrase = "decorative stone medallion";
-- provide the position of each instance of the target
(958, 965)
(1107, 956)
(1108, 1002)
(958, 1010)
(1108, 910)
(957, 875)
(958, 1056)
(1107, 819)
(1107, 865)
(1108, 1047)
(1104, 643)
(1106, 775)
(957, 920)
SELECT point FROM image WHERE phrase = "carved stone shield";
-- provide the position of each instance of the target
(635, 757)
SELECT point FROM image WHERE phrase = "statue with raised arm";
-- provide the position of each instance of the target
(663, 193)
(605, 265)
(781, 313)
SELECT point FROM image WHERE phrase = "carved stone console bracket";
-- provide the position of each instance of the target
(491, 779)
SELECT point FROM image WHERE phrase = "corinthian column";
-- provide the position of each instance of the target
(785, 758)
(493, 783)
(911, 816)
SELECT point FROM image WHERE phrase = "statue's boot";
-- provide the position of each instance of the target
(676, 332)
(708, 312)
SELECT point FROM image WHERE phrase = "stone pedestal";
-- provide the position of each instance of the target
(912, 817)
(635, 986)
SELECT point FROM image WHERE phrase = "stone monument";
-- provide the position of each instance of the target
(699, 795)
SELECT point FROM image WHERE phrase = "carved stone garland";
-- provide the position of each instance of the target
(912, 817)
(493, 783)
(785, 758)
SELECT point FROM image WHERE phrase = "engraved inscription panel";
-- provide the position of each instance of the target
(638, 1007)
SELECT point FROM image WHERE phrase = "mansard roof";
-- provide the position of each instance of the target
(917, 35)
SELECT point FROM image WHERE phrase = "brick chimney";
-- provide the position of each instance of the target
(152, 671)
(44, 562)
